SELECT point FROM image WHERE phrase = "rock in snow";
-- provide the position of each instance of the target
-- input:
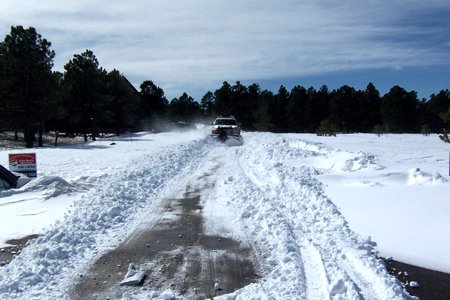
(133, 276)
(338, 287)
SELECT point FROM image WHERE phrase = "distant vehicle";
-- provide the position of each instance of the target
(225, 128)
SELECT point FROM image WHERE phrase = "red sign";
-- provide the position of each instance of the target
(24, 163)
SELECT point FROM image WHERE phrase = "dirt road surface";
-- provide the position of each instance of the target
(175, 254)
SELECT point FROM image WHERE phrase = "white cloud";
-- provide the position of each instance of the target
(195, 45)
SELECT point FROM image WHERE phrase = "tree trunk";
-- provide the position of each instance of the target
(83, 124)
(93, 129)
(56, 138)
(28, 136)
(40, 137)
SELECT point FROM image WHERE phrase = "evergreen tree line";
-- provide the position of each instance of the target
(86, 99)
(347, 110)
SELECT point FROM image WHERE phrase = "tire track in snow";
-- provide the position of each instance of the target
(368, 279)
(269, 233)
(355, 272)
(310, 262)
(312, 265)
(316, 275)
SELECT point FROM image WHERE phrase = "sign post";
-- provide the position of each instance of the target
(24, 163)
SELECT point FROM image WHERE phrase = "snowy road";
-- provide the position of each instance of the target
(174, 251)
(167, 209)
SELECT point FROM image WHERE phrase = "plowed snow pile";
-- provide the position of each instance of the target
(268, 193)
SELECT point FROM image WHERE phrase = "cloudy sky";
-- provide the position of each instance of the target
(194, 45)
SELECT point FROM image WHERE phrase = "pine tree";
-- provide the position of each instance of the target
(25, 75)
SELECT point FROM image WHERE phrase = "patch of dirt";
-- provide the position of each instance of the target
(432, 285)
(8, 253)
(176, 255)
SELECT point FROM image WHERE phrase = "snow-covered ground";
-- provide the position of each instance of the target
(394, 188)
(288, 195)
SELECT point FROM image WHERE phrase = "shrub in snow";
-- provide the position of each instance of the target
(327, 128)
(444, 137)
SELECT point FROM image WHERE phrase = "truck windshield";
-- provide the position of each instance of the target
(225, 122)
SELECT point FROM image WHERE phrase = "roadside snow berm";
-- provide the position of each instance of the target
(8, 178)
